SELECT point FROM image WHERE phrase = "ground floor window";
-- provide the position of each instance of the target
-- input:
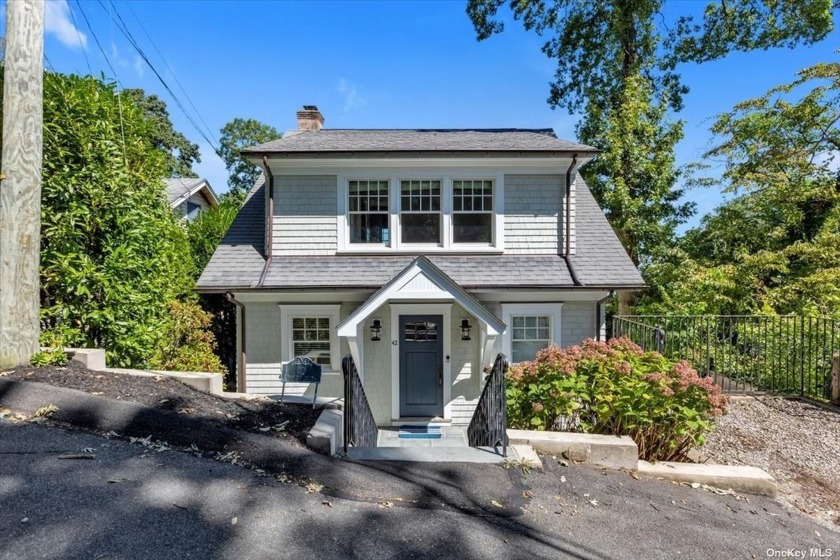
(530, 328)
(530, 334)
(308, 331)
(311, 339)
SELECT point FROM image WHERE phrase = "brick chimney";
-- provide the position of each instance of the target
(310, 119)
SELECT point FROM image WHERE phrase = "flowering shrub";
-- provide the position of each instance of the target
(615, 388)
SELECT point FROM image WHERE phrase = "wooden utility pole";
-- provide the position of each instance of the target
(20, 181)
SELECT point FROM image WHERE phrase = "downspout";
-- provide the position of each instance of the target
(568, 232)
(243, 361)
(598, 305)
(269, 243)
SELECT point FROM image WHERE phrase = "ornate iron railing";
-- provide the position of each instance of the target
(359, 426)
(488, 427)
(744, 353)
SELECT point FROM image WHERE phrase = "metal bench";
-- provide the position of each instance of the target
(300, 370)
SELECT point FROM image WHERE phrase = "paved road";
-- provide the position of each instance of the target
(130, 502)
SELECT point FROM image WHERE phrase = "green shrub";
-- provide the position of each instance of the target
(186, 344)
(50, 357)
(615, 388)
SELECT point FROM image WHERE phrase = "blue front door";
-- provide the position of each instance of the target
(421, 365)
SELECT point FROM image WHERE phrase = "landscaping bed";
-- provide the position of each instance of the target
(290, 422)
(795, 441)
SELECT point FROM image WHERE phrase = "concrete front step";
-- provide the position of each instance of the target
(433, 454)
(617, 452)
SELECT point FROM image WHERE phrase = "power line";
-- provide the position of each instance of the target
(121, 25)
(79, 35)
(96, 40)
(163, 58)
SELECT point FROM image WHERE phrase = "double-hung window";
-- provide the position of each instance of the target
(308, 330)
(420, 211)
(368, 212)
(531, 333)
(530, 328)
(311, 339)
(472, 211)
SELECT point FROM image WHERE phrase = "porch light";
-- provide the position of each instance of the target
(376, 330)
(465, 329)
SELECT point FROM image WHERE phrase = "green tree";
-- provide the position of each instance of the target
(180, 153)
(236, 135)
(112, 254)
(618, 65)
(775, 247)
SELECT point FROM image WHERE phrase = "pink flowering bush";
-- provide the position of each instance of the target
(615, 388)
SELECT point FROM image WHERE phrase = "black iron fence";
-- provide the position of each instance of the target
(744, 353)
(488, 427)
(359, 426)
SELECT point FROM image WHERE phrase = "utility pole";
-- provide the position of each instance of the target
(20, 181)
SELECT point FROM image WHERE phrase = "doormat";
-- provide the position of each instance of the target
(420, 432)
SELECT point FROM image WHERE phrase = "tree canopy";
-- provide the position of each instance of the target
(617, 64)
(237, 135)
(179, 152)
(775, 246)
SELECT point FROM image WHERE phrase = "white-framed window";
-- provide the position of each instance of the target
(420, 211)
(529, 335)
(368, 211)
(309, 331)
(414, 210)
(472, 211)
(530, 328)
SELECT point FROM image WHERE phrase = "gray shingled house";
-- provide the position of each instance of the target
(422, 253)
(189, 196)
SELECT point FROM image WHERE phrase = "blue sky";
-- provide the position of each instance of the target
(374, 64)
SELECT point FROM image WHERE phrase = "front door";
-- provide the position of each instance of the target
(421, 365)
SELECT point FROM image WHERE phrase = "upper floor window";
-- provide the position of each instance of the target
(403, 212)
(472, 211)
(368, 209)
(420, 215)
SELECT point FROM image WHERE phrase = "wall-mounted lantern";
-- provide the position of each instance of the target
(465, 329)
(376, 330)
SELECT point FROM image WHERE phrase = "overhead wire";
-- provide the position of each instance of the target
(168, 67)
(79, 35)
(121, 25)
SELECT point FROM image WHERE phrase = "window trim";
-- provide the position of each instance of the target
(552, 310)
(331, 312)
(394, 194)
(492, 212)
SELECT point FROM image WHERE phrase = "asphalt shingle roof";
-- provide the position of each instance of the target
(238, 260)
(600, 260)
(420, 140)
(178, 187)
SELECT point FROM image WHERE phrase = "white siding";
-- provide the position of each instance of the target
(533, 213)
(465, 367)
(377, 370)
(305, 209)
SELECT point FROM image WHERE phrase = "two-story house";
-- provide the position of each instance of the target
(422, 253)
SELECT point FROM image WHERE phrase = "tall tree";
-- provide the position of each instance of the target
(775, 247)
(237, 135)
(180, 153)
(618, 65)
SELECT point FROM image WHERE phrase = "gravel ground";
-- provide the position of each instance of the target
(797, 442)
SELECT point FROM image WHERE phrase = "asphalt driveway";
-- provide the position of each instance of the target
(132, 501)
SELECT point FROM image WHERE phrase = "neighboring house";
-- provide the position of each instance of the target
(422, 253)
(189, 196)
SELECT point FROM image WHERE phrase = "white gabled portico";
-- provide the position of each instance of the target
(420, 292)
